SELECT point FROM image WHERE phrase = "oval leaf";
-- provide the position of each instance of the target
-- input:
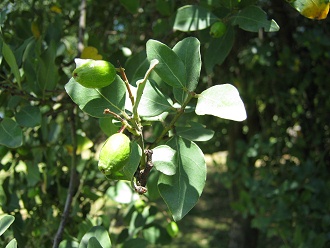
(29, 116)
(252, 19)
(189, 52)
(313, 9)
(153, 101)
(222, 101)
(5, 223)
(98, 232)
(94, 101)
(192, 18)
(10, 133)
(164, 159)
(219, 49)
(195, 132)
(182, 190)
(170, 67)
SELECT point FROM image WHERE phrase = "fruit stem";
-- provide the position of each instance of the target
(124, 77)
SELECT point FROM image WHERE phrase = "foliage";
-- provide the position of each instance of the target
(52, 128)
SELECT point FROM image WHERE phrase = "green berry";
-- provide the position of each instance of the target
(172, 229)
(114, 154)
(94, 73)
(218, 29)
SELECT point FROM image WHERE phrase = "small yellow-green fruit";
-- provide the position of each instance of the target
(114, 154)
(218, 29)
(94, 73)
(172, 229)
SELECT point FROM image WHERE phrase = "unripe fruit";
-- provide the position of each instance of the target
(114, 154)
(94, 73)
(172, 229)
(218, 29)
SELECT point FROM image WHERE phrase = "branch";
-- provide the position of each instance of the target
(72, 184)
(82, 27)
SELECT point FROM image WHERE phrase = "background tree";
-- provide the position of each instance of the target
(278, 162)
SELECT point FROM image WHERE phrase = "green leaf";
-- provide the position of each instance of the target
(136, 66)
(253, 18)
(219, 49)
(195, 132)
(11, 60)
(5, 222)
(29, 116)
(192, 18)
(182, 190)
(12, 244)
(164, 159)
(47, 75)
(101, 235)
(107, 126)
(69, 244)
(153, 101)
(10, 133)
(121, 192)
(170, 67)
(131, 5)
(136, 243)
(221, 101)
(94, 243)
(188, 50)
(94, 101)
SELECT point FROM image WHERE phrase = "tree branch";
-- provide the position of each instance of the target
(72, 184)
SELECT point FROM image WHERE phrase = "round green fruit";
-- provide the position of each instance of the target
(172, 229)
(94, 73)
(114, 154)
(218, 29)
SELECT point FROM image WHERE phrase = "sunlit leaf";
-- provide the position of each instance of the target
(192, 18)
(94, 101)
(5, 222)
(221, 101)
(164, 159)
(170, 67)
(182, 190)
(188, 50)
(313, 9)
(90, 52)
(153, 101)
(11, 60)
(99, 233)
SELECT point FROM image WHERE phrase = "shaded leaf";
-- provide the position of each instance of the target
(170, 67)
(29, 116)
(182, 190)
(221, 101)
(11, 60)
(188, 50)
(164, 159)
(131, 5)
(94, 101)
(219, 49)
(253, 18)
(195, 132)
(192, 18)
(10, 133)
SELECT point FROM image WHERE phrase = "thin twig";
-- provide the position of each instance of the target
(72, 184)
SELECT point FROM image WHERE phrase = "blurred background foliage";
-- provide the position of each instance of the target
(273, 186)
